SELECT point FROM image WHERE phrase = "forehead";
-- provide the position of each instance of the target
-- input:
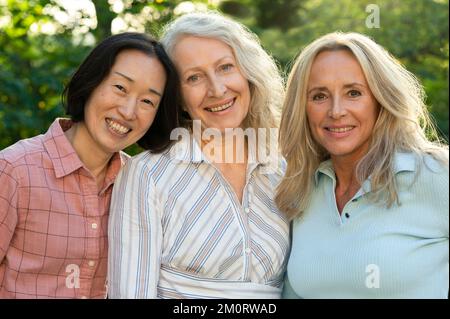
(194, 51)
(338, 65)
(132, 58)
(137, 66)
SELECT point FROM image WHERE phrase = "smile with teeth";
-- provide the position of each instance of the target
(116, 127)
(220, 108)
(340, 129)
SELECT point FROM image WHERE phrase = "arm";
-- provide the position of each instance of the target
(134, 235)
(288, 292)
(8, 205)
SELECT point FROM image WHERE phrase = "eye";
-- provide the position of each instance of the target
(193, 78)
(226, 67)
(149, 102)
(319, 97)
(120, 88)
(354, 93)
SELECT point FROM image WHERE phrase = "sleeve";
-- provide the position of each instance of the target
(8, 205)
(288, 291)
(134, 235)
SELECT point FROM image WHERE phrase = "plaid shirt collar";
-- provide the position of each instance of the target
(64, 157)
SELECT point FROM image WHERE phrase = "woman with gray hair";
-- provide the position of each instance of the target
(366, 186)
(196, 225)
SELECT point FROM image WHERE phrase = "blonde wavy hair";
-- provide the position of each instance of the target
(257, 66)
(403, 123)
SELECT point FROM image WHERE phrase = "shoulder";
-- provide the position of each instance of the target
(18, 152)
(433, 172)
(19, 156)
(429, 181)
(147, 159)
(145, 164)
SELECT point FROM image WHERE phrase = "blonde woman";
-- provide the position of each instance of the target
(190, 226)
(365, 187)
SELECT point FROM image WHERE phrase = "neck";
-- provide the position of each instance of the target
(228, 151)
(345, 170)
(95, 159)
(345, 173)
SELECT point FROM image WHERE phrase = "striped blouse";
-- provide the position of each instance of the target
(177, 230)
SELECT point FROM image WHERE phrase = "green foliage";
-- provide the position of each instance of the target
(34, 69)
(35, 65)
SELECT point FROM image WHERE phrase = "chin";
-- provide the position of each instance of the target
(112, 148)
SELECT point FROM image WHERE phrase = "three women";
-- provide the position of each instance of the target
(359, 184)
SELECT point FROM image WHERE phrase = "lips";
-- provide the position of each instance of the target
(221, 107)
(117, 127)
(340, 129)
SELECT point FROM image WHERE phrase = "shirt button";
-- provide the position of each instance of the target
(247, 210)
(94, 226)
(354, 200)
(347, 215)
(91, 263)
(247, 250)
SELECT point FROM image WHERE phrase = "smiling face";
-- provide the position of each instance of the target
(122, 107)
(213, 88)
(340, 107)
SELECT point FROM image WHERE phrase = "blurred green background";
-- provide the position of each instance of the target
(43, 41)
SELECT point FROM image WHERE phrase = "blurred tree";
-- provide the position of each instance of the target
(34, 68)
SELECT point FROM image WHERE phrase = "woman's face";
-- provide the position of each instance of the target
(122, 108)
(340, 107)
(213, 88)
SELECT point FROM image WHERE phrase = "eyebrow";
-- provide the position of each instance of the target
(220, 60)
(131, 80)
(354, 84)
(324, 88)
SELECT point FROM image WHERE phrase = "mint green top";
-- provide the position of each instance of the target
(370, 251)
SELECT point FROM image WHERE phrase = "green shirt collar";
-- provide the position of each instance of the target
(402, 162)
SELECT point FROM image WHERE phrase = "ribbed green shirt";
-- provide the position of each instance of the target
(370, 251)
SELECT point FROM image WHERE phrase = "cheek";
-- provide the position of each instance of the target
(370, 117)
(239, 84)
(192, 99)
(313, 116)
(145, 123)
(89, 113)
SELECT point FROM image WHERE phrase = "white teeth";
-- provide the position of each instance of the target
(117, 127)
(340, 129)
(221, 108)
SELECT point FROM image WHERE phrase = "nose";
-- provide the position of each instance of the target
(128, 109)
(217, 87)
(337, 109)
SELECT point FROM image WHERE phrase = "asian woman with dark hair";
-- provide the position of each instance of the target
(56, 187)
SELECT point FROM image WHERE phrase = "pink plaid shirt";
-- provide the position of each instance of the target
(53, 220)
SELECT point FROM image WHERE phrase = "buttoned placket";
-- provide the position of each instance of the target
(93, 227)
(242, 210)
(350, 207)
